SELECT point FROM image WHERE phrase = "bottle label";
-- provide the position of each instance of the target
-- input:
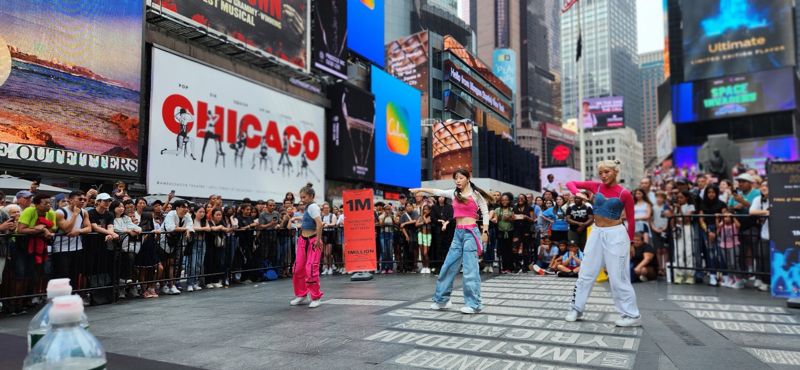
(33, 339)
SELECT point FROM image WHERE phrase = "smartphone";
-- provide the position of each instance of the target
(172, 192)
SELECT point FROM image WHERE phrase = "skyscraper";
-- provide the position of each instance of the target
(609, 56)
(651, 67)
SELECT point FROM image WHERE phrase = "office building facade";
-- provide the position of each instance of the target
(651, 68)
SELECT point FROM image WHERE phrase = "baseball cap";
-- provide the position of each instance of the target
(24, 194)
(103, 196)
(681, 180)
(745, 177)
(157, 201)
(572, 242)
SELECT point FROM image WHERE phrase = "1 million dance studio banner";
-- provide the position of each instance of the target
(214, 133)
(69, 85)
(359, 230)
(784, 228)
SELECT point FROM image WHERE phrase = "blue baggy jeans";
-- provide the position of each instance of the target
(463, 254)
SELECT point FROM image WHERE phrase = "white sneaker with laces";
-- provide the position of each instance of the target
(469, 310)
(217, 285)
(738, 284)
(210, 286)
(438, 306)
(165, 290)
(174, 290)
(491, 270)
(761, 286)
(628, 322)
(190, 288)
(197, 287)
(712, 280)
(299, 301)
(315, 303)
(573, 316)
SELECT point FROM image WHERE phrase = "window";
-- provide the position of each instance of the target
(437, 89)
(610, 141)
(598, 142)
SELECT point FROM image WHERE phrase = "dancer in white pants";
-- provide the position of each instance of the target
(609, 244)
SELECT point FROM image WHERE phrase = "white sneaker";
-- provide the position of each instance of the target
(536, 269)
(174, 290)
(315, 303)
(190, 288)
(197, 287)
(628, 322)
(122, 294)
(469, 310)
(210, 286)
(761, 286)
(573, 316)
(712, 280)
(438, 306)
(643, 278)
(217, 285)
(299, 301)
(491, 270)
(738, 284)
(165, 290)
(726, 281)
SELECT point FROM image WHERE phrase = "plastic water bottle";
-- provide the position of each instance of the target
(66, 345)
(41, 322)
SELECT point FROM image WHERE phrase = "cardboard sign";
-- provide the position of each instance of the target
(359, 230)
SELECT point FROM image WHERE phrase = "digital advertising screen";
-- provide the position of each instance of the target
(351, 130)
(727, 37)
(365, 29)
(397, 131)
(452, 148)
(505, 67)
(734, 96)
(279, 28)
(559, 146)
(603, 113)
(70, 85)
(408, 60)
(212, 132)
(329, 45)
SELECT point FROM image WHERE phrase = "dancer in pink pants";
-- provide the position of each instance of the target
(305, 276)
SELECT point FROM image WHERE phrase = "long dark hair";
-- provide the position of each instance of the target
(486, 196)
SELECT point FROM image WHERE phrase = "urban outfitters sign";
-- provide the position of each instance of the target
(784, 228)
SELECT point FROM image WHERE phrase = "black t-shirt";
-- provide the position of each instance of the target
(101, 219)
(711, 209)
(522, 210)
(578, 213)
(638, 255)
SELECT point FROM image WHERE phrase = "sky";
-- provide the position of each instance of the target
(650, 25)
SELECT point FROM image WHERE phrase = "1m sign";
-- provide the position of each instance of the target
(359, 230)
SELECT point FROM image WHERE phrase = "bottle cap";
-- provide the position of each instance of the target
(66, 309)
(58, 287)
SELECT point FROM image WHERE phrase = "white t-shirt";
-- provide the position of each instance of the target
(313, 210)
(757, 205)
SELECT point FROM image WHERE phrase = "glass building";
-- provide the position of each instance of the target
(651, 67)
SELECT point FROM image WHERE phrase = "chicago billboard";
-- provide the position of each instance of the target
(214, 133)
(726, 37)
(70, 89)
(329, 46)
(351, 129)
(365, 29)
(603, 113)
(408, 60)
(397, 131)
(277, 27)
(734, 96)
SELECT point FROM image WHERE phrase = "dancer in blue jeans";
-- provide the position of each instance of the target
(466, 246)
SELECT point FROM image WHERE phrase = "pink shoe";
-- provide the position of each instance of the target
(390, 272)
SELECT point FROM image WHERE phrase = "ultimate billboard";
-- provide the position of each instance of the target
(70, 85)
(351, 130)
(603, 113)
(397, 131)
(407, 59)
(215, 133)
(733, 96)
(277, 27)
(329, 45)
(726, 37)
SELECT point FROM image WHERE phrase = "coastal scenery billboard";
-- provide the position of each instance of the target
(69, 85)
(215, 133)
(276, 27)
(603, 113)
(725, 37)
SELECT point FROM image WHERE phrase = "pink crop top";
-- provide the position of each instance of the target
(469, 208)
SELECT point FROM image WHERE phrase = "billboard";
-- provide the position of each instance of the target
(279, 28)
(726, 37)
(784, 229)
(479, 91)
(408, 59)
(397, 131)
(452, 148)
(329, 44)
(351, 129)
(754, 153)
(505, 67)
(365, 29)
(733, 96)
(214, 133)
(665, 138)
(471, 61)
(603, 113)
(559, 146)
(70, 89)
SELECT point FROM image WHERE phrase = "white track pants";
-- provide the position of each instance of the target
(609, 246)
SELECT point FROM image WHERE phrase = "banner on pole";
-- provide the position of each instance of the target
(568, 5)
(784, 228)
(359, 230)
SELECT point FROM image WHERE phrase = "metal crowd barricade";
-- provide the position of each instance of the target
(727, 244)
